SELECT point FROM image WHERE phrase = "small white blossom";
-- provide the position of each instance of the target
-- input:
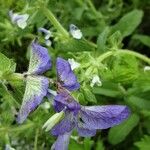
(20, 20)
(73, 64)
(75, 32)
(147, 68)
(96, 80)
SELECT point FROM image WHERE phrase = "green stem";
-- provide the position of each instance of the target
(138, 55)
(22, 127)
(124, 51)
(98, 14)
(54, 21)
(36, 139)
(15, 76)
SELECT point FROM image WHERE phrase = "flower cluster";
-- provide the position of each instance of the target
(85, 119)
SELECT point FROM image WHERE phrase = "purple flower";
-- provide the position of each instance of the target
(36, 85)
(66, 77)
(85, 119)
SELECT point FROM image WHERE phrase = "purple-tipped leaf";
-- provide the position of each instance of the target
(66, 75)
(62, 142)
(40, 60)
(36, 89)
(103, 117)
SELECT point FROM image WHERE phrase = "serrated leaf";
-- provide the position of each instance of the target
(129, 22)
(118, 133)
(144, 144)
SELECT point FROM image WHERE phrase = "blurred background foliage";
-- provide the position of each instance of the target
(107, 25)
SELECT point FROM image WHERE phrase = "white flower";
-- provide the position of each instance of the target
(73, 64)
(75, 32)
(96, 80)
(147, 68)
(20, 20)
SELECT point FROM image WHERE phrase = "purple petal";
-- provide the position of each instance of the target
(40, 60)
(36, 89)
(84, 132)
(66, 75)
(63, 100)
(66, 125)
(62, 142)
(103, 117)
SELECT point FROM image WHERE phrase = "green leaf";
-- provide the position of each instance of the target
(89, 96)
(129, 22)
(108, 89)
(144, 39)
(138, 102)
(74, 45)
(144, 144)
(6, 65)
(101, 41)
(118, 133)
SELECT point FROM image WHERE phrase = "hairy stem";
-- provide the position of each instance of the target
(54, 21)
(124, 51)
